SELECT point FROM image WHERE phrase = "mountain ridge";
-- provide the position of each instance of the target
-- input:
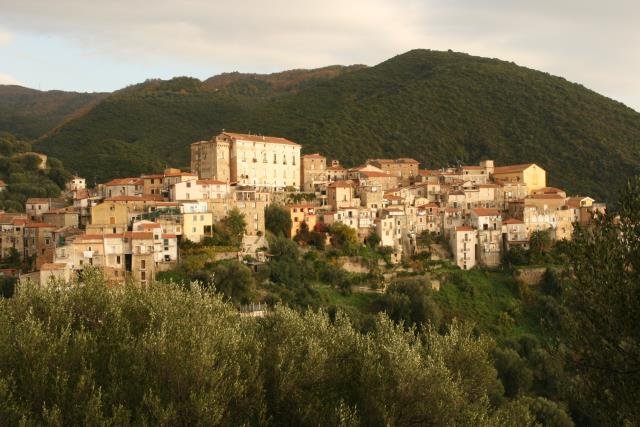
(439, 107)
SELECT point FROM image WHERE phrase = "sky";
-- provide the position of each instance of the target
(91, 45)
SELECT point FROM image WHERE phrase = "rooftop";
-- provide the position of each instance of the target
(512, 168)
(485, 212)
(260, 138)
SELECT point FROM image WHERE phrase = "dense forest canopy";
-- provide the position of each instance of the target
(30, 113)
(24, 176)
(439, 107)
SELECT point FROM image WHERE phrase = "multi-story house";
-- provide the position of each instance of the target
(253, 160)
(302, 213)
(39, 242)
(488, 223)
(530, 174)
(514, 233)
(404, 169)
(463, 246)
(36, 206)
(123, 187)
(341, 194)
(12, 233)
(313, 172)
(202, 189)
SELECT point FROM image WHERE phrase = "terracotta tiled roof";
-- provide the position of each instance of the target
(124, 181)
(172, 174)
(2, 183)
(427, 172)
(574, 202)
(510, 221)
(210, 182)
(313, 156)
(485, 212)
(375, 174)
(149, 226)
(512, 168)
(38, 200)
(84, 237)
(144, 198)
(464, 228)
(337, 184)
(260, 138)
(169, 236)
(548, 190)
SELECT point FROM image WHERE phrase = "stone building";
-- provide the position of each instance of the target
(248, 160)
(313, 172)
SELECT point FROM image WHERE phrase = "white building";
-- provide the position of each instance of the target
(249, 160)
(463, 247)
(202, 189)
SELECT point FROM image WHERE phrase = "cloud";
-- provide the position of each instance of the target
(5, 38)
(6, 79)
(586, 41)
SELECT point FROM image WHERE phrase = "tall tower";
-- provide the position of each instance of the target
(210, 159)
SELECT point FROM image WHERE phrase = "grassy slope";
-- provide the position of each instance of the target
(439, 107)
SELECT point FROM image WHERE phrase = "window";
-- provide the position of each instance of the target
(143, 275)
(143, 264)
(118, 259)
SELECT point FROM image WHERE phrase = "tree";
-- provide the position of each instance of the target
(373, 240)
(236, 225)
(601, 300)
(303, 234)
(235, 280)
(344, 237)
(539, 245)
(277, 220)
(409, 300)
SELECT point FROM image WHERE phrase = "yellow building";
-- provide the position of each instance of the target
(110, 213)
(340, 194)
(532, 175)
(196, 226)
(302, 213)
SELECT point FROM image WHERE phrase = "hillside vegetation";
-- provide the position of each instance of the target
(159, 355)
(20, 170)
(439, 107)
(30, 113)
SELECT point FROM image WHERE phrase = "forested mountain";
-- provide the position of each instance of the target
(439, 107)
(24, 176)
(30, 113)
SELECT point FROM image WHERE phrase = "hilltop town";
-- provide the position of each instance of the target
(133, 227)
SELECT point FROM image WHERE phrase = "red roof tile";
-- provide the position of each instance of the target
(511, 168)
(260, 138)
